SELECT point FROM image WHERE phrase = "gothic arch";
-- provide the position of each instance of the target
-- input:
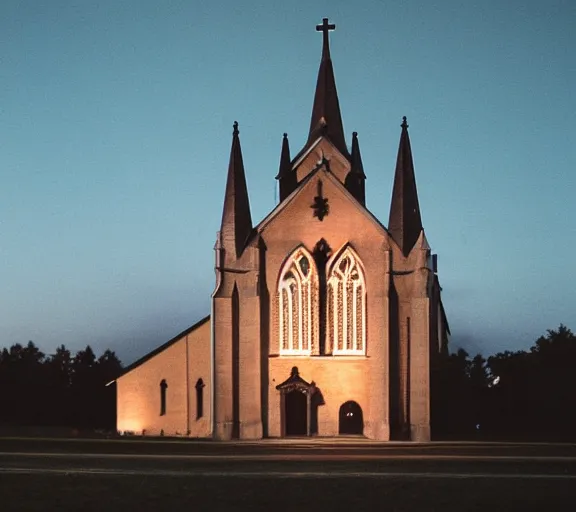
(298, 303)
(346, 304)
(350, 418)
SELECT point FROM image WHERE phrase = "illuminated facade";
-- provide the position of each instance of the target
(323, 320)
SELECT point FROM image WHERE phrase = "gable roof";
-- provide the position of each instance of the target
(161, 348)
(339, 185)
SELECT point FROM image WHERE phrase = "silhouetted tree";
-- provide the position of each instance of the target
(84, 388)
(535, 393)
(109, 367)
(59, 371)
(451, 414)
(22, 371)
(60, 389)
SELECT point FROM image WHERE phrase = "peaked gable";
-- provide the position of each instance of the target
(298, 208)
(323, 148)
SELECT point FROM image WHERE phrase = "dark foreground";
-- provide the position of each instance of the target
(356, 476)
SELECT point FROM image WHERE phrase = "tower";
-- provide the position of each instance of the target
(319, 298)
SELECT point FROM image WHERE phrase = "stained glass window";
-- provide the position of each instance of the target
(346, 328)
(297, 294)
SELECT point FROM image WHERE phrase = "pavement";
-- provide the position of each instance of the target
(280, 474)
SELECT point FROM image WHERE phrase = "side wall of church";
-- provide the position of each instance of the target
(139, 394)
(200, 380)
(363, 379)
(179, 366)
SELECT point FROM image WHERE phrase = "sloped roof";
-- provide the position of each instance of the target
(161, 348)
(281, 206)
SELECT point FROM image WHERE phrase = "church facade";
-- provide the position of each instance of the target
(323, 321)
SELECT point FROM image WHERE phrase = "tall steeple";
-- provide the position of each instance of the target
(236, 218)
(286, 176)
(405, 223)
(326, 118)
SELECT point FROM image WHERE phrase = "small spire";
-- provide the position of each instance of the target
(326, 118)
(405, 223)
(286, 176)
(357, 166)
(356, 177)
(236, 219)
(285, 162)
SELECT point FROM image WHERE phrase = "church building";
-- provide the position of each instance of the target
(323, 322)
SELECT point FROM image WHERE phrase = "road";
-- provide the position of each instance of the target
(286, 475)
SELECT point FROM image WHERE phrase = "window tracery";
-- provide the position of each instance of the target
(347, 305)
(298, 304)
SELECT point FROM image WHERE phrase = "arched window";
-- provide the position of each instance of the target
(346, 305)
(163, 387)
(298, 303)
(199, 398)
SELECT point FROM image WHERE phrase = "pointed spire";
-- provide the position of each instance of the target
(355, 181)
(286, 176)
(405, 223)
(326, 118)
(236, 218)
(285, 166)
(356, 158)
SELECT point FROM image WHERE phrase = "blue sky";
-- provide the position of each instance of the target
(115, 130)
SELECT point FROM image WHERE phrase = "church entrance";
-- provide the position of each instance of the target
(350, 420)
(299, 402)
(296, 413)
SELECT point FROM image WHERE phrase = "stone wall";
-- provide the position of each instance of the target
(180, 365)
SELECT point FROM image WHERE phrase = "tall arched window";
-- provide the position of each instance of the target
(346, 305)
(199, 398)
(163, 387)
(298, 303)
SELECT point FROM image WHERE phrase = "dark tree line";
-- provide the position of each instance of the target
(58, 390)
(524, 395)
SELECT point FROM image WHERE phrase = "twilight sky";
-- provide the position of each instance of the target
(115, 131)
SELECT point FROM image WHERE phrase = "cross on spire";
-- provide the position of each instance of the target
(326, 119)
(325, 28)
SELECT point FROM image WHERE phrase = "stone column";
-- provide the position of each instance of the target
(223, 384)
(250, 406)
(419, 339)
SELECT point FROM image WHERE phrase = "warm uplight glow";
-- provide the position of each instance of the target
(347, 305)
(298, 291)
(129, 427)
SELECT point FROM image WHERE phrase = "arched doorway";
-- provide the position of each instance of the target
(298, 407)
(296, 410)
(350, 419)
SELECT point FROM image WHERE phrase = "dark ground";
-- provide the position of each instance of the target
(297, 475)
